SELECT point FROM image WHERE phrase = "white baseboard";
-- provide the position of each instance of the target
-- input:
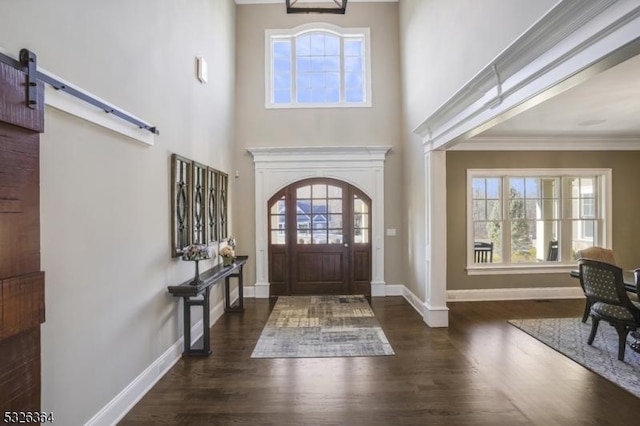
(119, 406)
(496, 294)
(249, 292)
(479, 295)
(116, 409)
(378, 289)
(261, 290)
(435, 316)
(438, 316)
(413, 300)
(432, 316)
(394, 290)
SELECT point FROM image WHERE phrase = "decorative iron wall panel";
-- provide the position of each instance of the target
(181, 203)
(199, 204)
(212, 205)
(199, 208)
(223, 189)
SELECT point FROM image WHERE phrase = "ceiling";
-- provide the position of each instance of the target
(606, 105)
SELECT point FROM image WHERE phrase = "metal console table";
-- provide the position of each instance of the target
(191, 297)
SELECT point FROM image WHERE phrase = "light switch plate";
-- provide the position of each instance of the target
(391, 232)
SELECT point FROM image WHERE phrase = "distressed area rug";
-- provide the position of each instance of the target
(321, 326)
(569, 337)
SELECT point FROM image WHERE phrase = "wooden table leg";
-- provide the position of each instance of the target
(227, 293)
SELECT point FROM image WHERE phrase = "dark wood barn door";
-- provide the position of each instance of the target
(320, 239)
(21, 281)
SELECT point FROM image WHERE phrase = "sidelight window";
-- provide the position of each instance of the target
(277, 222)
(361, 221)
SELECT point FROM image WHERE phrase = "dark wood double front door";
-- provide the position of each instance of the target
(319, 239)
(21, 281)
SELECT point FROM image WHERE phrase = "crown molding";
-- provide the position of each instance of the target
(315, 154)
(574, 40)
(548, 143)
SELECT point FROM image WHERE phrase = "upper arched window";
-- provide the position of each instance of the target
(317, 65)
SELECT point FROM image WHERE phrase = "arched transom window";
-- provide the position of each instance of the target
(318, 65)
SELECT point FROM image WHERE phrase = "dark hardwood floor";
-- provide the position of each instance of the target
(479, 371)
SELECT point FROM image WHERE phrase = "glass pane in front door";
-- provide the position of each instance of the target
(319, 214)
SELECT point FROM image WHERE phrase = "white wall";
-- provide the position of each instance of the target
(378, 125)
(105, 199)
(443, 44)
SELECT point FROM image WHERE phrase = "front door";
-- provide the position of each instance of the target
(21, 281)
(319, 239)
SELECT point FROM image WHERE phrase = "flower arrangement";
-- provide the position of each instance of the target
(196, 252)
(228, 255)
(227, 251)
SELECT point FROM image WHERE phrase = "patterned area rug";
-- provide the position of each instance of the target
(321, 326)
(569, 337)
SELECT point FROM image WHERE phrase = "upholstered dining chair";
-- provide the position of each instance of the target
(594, 253)
(552, 251)
(597, 253)
(603, 283)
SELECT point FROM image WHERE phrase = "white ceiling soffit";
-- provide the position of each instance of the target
(572, 43)
(606, 105)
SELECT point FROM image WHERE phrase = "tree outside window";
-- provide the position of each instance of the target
(525, 216)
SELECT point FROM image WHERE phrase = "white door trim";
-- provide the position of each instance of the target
(278, 167)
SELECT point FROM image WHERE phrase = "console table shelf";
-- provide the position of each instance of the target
(198, 295)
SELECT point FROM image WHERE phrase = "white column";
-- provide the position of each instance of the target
(435, 311)
(262, 266)
(378, 284)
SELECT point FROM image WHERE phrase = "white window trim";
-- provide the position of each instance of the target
(546, 267)
(270, 35)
